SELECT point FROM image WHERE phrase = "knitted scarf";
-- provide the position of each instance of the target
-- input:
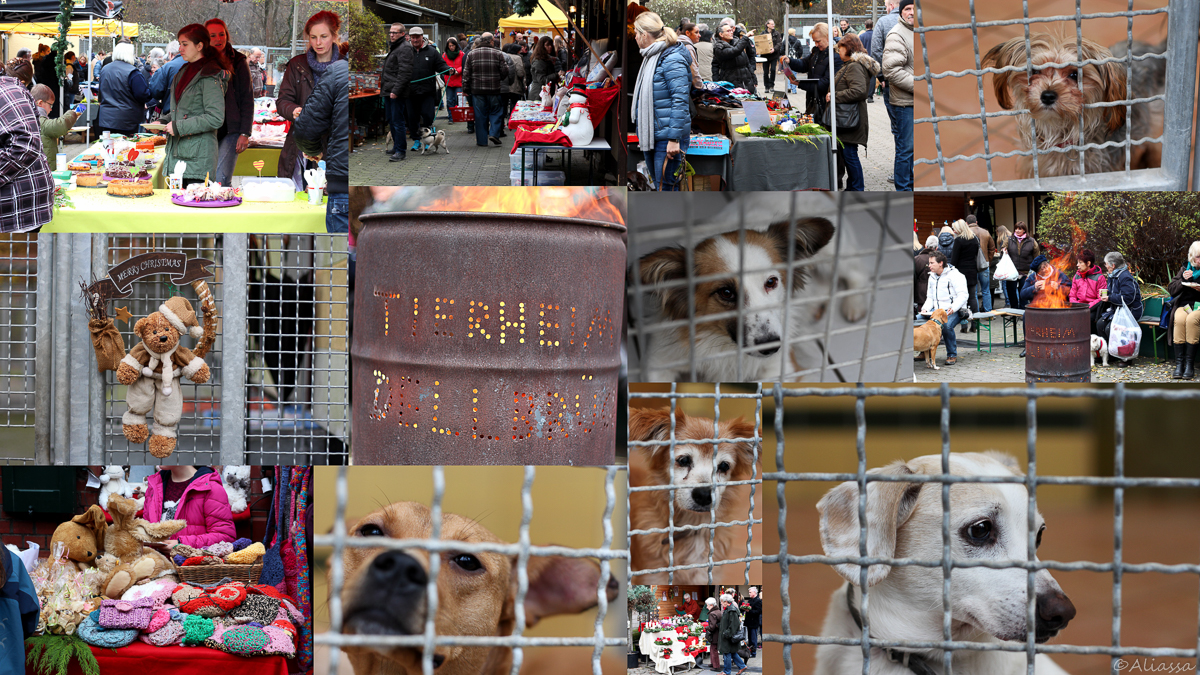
(318, 68)
(643, 95)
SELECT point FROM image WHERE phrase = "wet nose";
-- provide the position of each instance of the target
(1054, 611)
(762, 339)
(1049, 97)
(400, 572)
(702, 496)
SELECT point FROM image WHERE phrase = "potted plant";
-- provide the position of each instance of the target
(641, 602)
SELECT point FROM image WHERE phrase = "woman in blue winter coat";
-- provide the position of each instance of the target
(1122, 289)
(660, 100)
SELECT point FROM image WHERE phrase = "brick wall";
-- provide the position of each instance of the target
(16, 529)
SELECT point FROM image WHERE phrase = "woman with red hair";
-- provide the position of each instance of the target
(234, 135)
(197, 105)
(299, 79)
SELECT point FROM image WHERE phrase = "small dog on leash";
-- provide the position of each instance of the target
(928, 336)
(1100, 347)
(1054, 98)
(432, 140)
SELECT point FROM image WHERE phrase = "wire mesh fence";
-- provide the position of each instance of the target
(708, 308)
(940, 655)
(674, 441)
(1095, 154)
(522, 552)
(18, 310)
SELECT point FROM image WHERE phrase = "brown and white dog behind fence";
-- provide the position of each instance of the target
(1053, 98)
(692, 465)
(384, 593)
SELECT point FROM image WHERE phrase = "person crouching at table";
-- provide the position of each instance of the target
(197, 106)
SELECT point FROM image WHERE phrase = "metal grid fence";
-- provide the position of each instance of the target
(1118, 482)
(712, 526)
(18, 307)
(883, 217)
(1183, 18)
(522, 550)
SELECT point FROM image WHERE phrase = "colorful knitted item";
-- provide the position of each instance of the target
(186, 551)
(134, 614)
(91, 632)
(263, 589)
(241, 543)
(248, 555)
(171, 633)
(178, 559)
(159, 589)
(282, 641)
(219, 549)
(185, 593)
(202, 560)
(244, 640)
(160, 619)
(303, 581)
(260, 608)
(216, 602)
(196, 629)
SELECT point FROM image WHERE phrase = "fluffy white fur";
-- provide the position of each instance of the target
(1100, 346)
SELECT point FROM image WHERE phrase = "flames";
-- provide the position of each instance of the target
(1053, 294)
(571, 202)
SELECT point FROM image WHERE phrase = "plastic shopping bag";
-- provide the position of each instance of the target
(1005, 269)
(1124, 335)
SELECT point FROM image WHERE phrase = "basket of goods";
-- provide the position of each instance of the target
(240, 561)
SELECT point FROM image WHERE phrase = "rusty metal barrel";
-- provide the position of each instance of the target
(1058, 344)
(484, 338)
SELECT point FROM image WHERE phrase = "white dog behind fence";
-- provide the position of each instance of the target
(904, 520)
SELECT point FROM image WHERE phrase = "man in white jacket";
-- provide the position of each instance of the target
(947, 290)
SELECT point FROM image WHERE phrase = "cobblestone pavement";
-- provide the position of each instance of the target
(1004, 364)
(753, 666)
(880, 153)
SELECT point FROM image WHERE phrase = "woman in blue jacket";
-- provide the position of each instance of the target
(1121, 287)
(660, 100)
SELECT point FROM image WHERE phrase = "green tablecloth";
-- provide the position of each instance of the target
(245, 162)
(97, 211)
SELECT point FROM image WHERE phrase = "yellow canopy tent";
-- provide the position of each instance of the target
(94, 28)
(538, 20)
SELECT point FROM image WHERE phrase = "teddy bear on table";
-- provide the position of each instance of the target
(149, 371)
(126, 560)
(82, 537)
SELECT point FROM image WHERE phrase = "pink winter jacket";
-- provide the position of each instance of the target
(1086, 287)
(204, 506)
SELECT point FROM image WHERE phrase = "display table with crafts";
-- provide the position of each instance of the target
(682, 650)
(782, 163)
(140, 657)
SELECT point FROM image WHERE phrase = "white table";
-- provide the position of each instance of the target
(596, 144)
(678, 658)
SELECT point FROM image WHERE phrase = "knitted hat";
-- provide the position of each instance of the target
(180, 314)
(241, 543)
(248, 555)
(905, 3)
(1037, 263)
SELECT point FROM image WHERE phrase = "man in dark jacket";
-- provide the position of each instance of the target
(421, 103)
(865, 38)
(733, 58)
(780, 49)
(326, 114)
(753, 620)
(727, 643)
(483, 71)
(234, 135)
(816, 64)
(397, 71)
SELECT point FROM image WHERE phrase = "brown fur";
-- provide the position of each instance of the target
(125, 559)
(928, 336)
(649, 510)
(468, 603)
(1057, 124)
(82, 537)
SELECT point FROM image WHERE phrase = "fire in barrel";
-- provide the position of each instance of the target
(1057, 331)
(487, 329)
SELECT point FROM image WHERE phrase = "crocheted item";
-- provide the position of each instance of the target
(282, 641)
(178, 559)
(159, 589)
(244, 640)
(303, 581)
(134, 614)
(186, 551)
(248, 555)
(216, 602)
(171, 633)
(185, 593)
(202, 560)
(260, 608)
(220, 549)
(241, 543)
(160, 619)
(196, 629)
(263, 589)
(91, 632)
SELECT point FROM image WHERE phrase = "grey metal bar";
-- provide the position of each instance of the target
(1182, 39)
(43, 335)
(95, 380)
(62, 350)
(233, 360)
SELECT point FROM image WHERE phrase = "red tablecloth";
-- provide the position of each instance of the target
(140, 657)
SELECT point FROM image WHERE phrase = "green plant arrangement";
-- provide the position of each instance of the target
(52, 654)
(367, 41)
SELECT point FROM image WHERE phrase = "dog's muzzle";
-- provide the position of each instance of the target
(701, 499)
(1054, 612)
(391, 599)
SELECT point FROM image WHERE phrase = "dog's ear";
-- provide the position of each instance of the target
(653, 424)
(812, 234)
(1009, 53)
(559, 585)
(1112, 80)
(740, 428)
(889, 505)
(1006, 459)
(667, 264)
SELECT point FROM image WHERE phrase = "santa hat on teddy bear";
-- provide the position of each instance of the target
(180, 314)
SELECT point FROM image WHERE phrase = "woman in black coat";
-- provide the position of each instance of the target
(966, 250)
(733, 59)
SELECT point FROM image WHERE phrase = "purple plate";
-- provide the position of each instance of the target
(209, 205)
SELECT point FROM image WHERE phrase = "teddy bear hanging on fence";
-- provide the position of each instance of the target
(149, 370)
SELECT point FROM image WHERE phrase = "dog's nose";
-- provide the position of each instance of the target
(1049, 97)
(399, 571)
(702, 496)
(1054, 611)
(762, 339)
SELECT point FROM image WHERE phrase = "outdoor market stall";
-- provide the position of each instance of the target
(546, 18)
(671, 643)
(782, 162)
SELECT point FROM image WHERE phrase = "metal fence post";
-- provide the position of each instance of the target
(62, 349)
(42, 361)
(96, 427)
(233, 356)
(79, 367)
(1181, 77)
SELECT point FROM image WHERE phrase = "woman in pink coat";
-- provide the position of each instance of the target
(1088, 282)
(195, 495)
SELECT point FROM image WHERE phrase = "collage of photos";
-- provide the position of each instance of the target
(391, 337)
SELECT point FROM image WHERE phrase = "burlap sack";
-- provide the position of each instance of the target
(108, 343)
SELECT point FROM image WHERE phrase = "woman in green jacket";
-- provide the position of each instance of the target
(197, 105)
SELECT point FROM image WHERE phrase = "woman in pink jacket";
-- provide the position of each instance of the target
(1088, 282)
(195, 495)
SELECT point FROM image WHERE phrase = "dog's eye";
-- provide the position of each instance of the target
(980, 532)
(771, 283)
(723, 467)
(684, 461)
(1074, 75)
(1039, 537)
(727, 293)
(370, 531)
(467, 561)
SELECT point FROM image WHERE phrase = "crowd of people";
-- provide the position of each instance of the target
(954, 269)
(678, 61)
(200, 87)
(477, 73)
(724, 616)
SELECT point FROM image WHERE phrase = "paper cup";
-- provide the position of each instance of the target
(314, 195)
(60, 161)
